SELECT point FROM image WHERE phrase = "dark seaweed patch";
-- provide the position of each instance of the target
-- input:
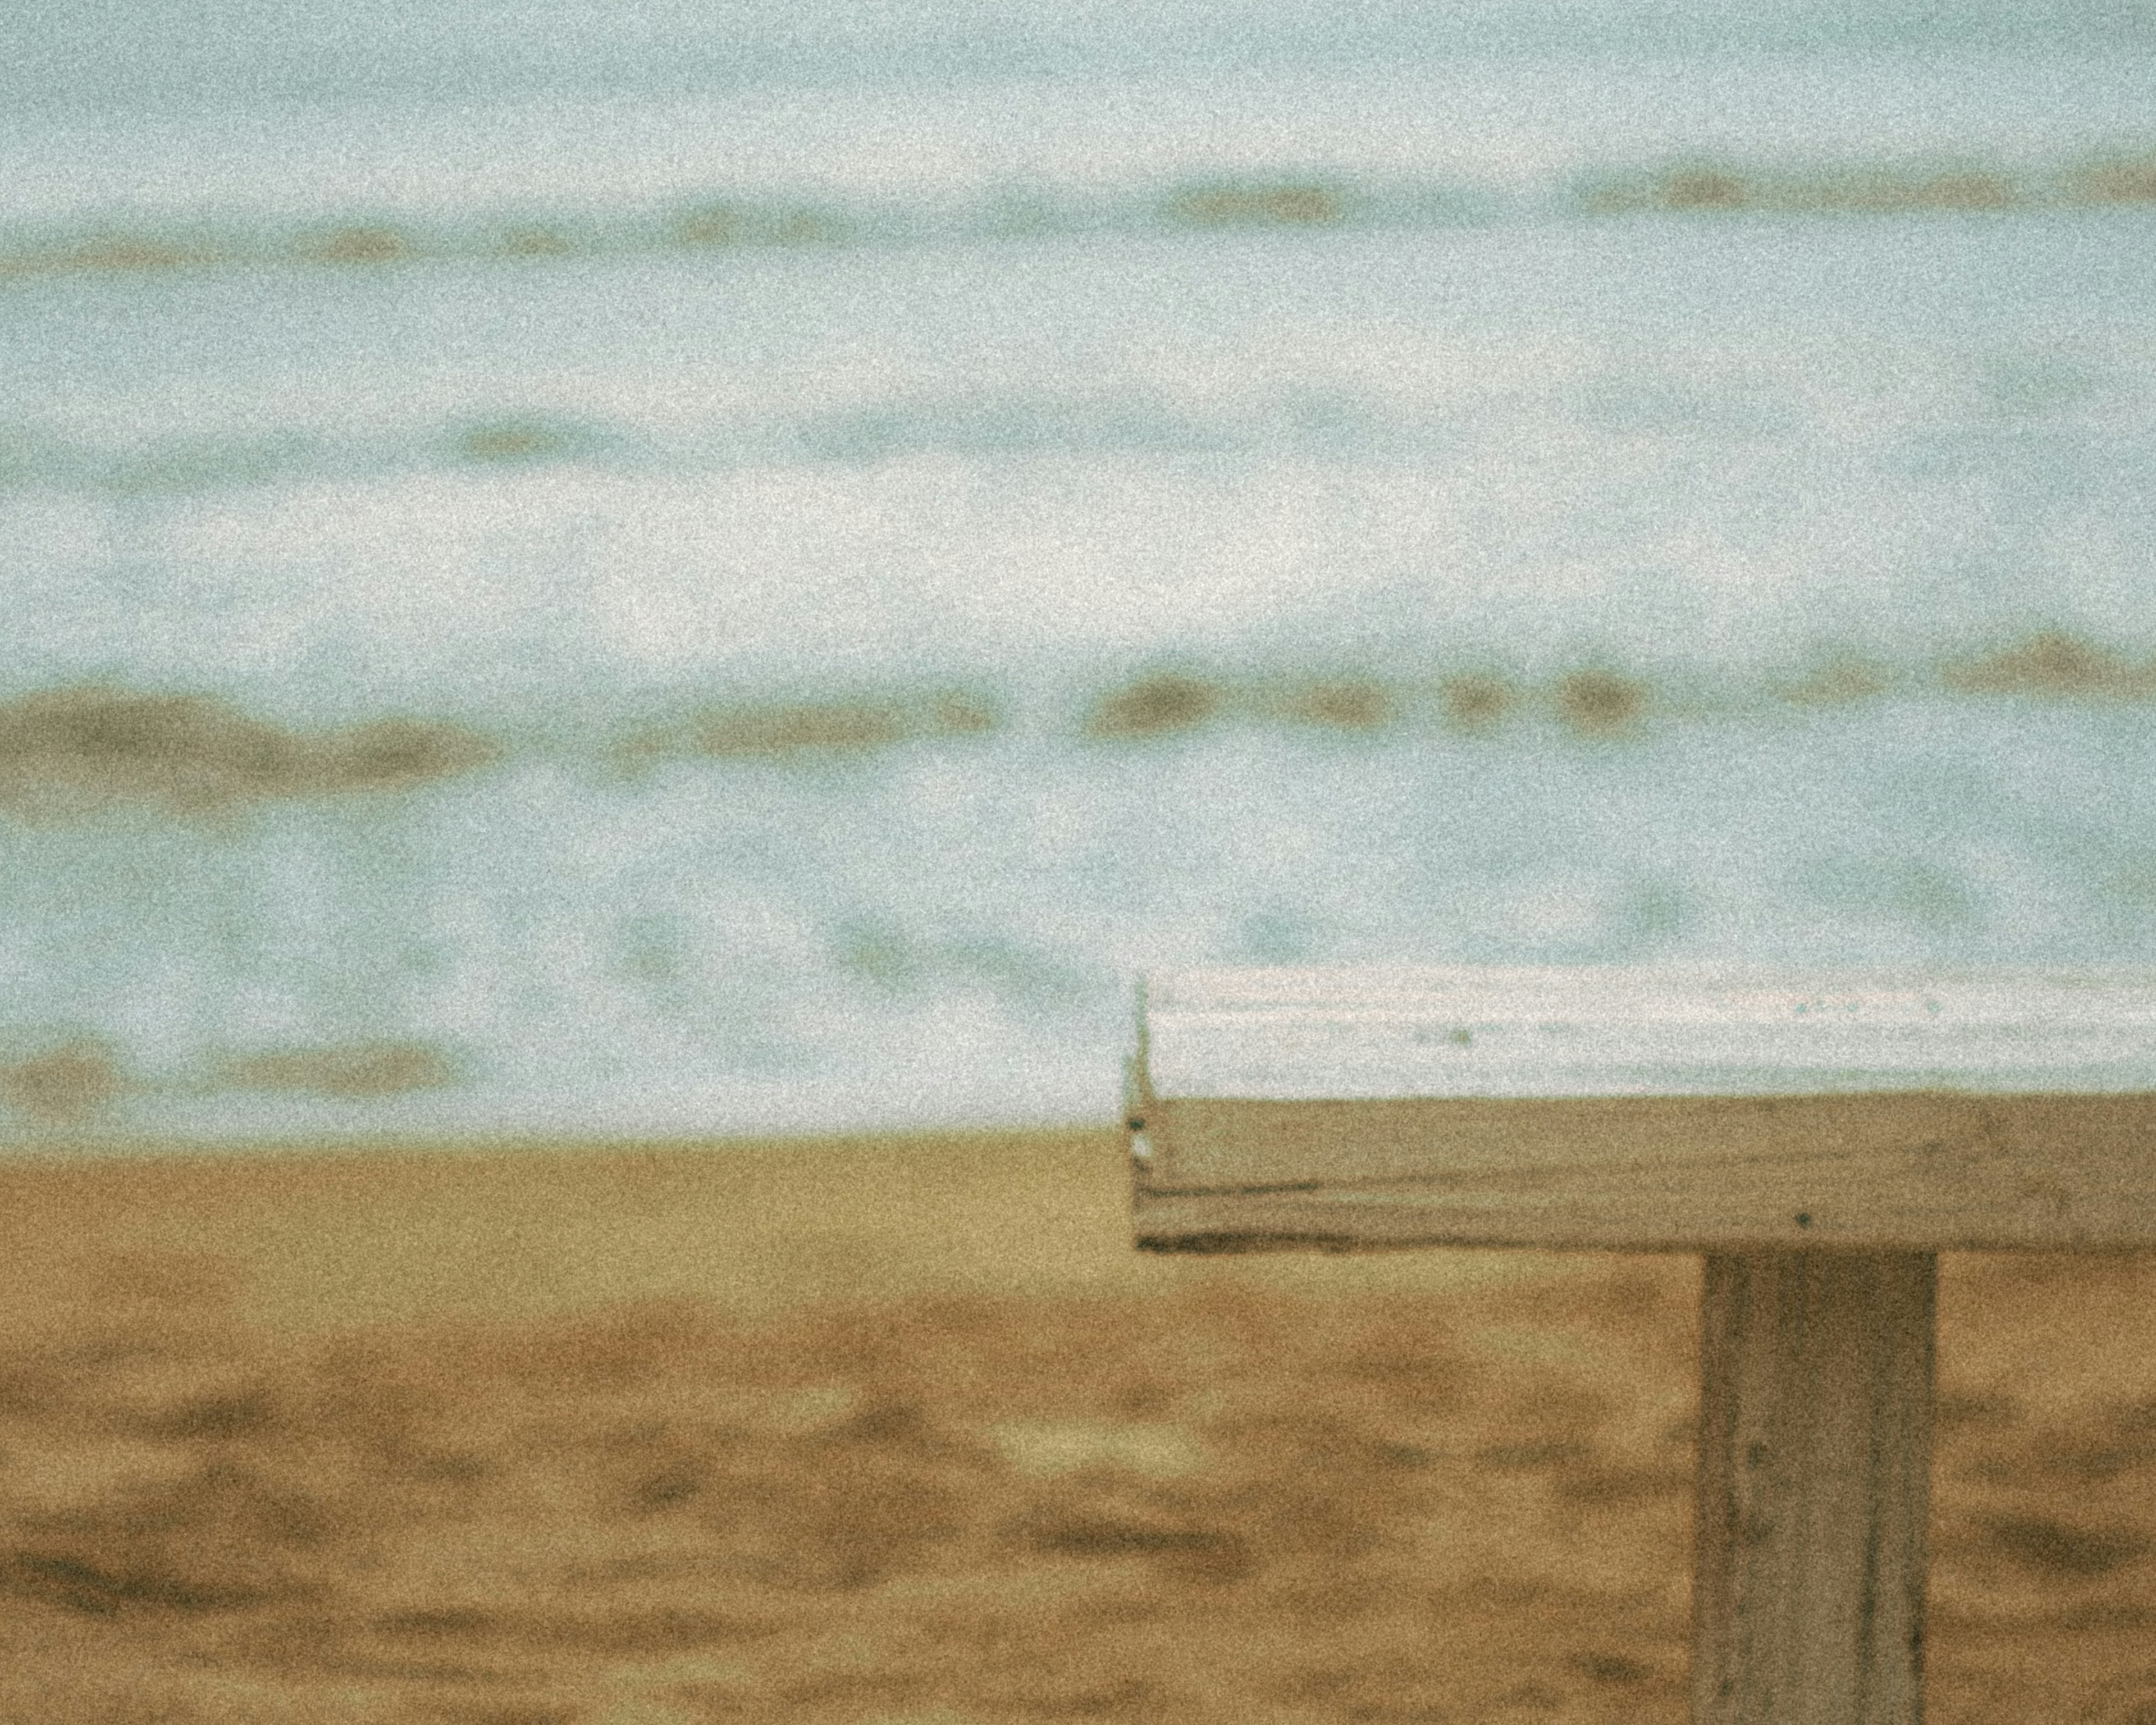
(1476, 702)
(1713, 188)
(808, 729)
(723, 225)
(62, 750)
(1596, 703)
(1704, 189)
(358, 1069)
(714, 224)
(393, 753)
(1896, 194)
(364, 242)
(510, 442)
(1154, 706)
(788, 730)
(535, 242)
(2130, 180)
(2050, 664)
(1346, 704)
(1288, 204)
(186, 749)
(131, 253)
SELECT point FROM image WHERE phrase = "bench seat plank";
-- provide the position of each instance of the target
(1706, 1109)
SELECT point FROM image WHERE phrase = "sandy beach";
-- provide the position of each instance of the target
(900, 1429)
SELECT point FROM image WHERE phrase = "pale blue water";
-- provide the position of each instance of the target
(1581, 484)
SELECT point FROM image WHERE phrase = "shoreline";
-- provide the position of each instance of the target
(316, 1236)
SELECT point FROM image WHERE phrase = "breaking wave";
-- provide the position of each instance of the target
(1360, 415)
(68, 752)
(1106, 423)
(720, 223)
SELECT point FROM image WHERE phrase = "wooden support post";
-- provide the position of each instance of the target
(1820, 1138)
(1814, 1488)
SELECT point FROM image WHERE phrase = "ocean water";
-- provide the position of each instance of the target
(665, 571)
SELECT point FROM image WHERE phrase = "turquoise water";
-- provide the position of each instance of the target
(666, 575)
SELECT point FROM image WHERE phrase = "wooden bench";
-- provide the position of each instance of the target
(1820, 1138)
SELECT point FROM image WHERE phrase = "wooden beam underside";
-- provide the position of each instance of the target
(1904, 1170)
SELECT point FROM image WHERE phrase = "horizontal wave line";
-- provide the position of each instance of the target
(720, 223)
(33, 459)
(1111, 422)
(71, 753)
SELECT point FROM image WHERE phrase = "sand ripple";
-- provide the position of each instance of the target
(1225, 1503)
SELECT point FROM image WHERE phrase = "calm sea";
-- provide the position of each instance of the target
(670, 569)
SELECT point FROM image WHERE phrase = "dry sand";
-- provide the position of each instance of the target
(901, 1430)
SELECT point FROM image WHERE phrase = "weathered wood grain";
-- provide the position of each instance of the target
(1814, 1488)
(1365, 1034)
(1718, 1110)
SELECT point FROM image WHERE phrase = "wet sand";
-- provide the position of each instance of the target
(901, 1430)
